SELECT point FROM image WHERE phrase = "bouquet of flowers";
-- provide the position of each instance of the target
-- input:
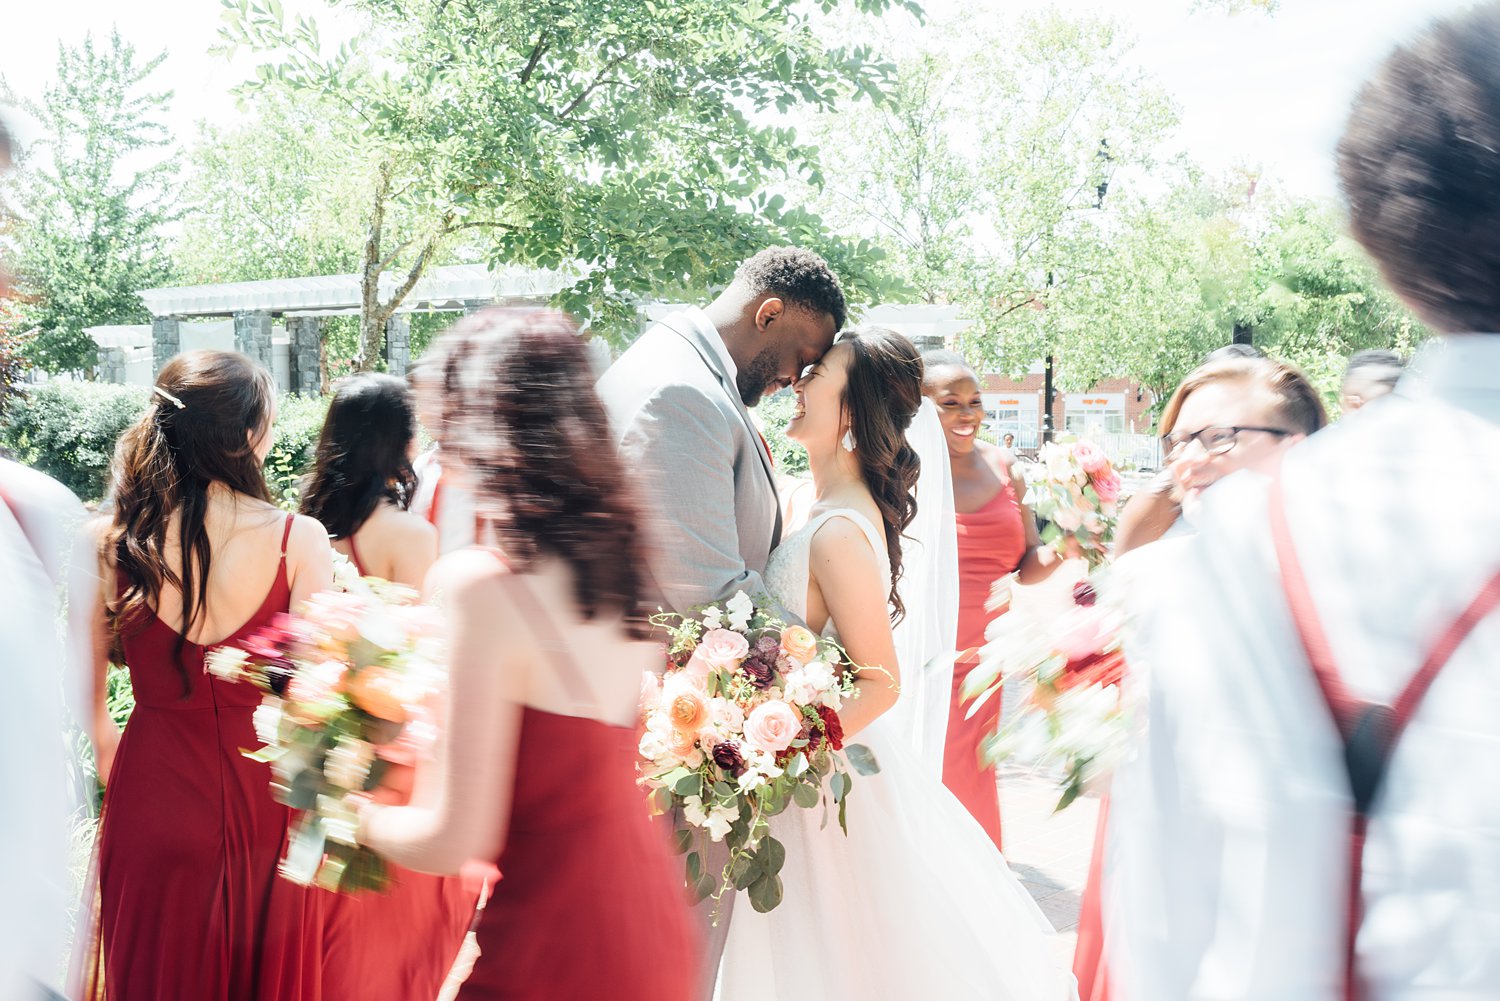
(1076, 491)
(1070, 715)
(744, 724)
(352, 681)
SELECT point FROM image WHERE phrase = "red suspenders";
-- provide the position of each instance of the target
(1369, 730)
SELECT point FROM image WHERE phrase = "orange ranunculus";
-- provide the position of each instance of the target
(687, 709)
(800, 644)
(380, 693)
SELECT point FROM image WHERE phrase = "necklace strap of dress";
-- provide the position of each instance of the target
(549, 638)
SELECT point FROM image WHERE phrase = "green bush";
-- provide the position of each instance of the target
(773, 415)
(68, 430)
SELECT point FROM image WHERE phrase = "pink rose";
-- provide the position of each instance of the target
(721, 648)
(1090, 457)
(771, 727)
(1107, 487)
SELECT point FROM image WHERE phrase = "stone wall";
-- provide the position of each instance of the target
(305, 354)
(398, 345)
(252, 335)
(166, 341)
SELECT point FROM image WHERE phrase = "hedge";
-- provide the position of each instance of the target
(68, 430)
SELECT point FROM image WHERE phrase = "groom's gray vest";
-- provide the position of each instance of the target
(702, 476)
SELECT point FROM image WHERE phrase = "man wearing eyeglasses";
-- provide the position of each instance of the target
(1313, 814)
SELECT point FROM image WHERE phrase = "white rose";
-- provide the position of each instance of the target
(726, 715)
(267, 720)
(1067, 518)
(227, 663)
(800, 689)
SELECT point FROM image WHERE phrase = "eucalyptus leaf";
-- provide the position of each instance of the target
(682, 840)
(862, 758)
(805, 795)
(765, 893)
(839, 785)
(772, 856)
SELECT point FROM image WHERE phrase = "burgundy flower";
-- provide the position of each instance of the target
(728, 757)
(1083, 594)
(760, 672)
(274, 641)
(813, 736)
(767, 647)
(832, 727)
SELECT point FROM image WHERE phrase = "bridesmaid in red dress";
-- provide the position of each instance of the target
(536, 766)
(360, 487)
(997, 536)
(189, 906)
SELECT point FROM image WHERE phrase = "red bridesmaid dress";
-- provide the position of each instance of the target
(1088, 954)
(189, 904)
(991, 543)
(591, 904)
(396, 945)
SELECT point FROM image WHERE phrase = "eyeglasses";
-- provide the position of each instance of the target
(1215, 441)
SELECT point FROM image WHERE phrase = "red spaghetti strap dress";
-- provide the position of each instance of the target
(189, 904)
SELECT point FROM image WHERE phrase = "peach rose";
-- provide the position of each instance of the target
(1090, 457)
(800, 644)
(686, 706)
(381, 693)
(721, 648)
(771, 727)
(1107, 487)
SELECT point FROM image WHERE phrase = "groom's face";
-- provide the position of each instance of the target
(791, 338)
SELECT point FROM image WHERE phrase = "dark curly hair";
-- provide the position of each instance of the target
(196, 431)
(511, 397)
(362, 454)
(1419, 164)
(881, 397)
(799, 278)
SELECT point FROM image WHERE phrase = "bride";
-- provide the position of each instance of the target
(915, 901)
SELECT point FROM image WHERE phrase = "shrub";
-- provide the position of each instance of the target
(773, 415)
(68, 430)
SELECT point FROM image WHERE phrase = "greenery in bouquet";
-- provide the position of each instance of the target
(351, 683)
(1076, 491)
(1068, 672)
(743, 725)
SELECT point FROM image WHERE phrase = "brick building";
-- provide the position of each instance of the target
(1112, 407)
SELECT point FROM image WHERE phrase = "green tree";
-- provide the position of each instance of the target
(631, 143)
(277, 196)
(92, 197)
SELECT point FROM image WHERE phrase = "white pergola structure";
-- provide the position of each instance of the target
(304, 303)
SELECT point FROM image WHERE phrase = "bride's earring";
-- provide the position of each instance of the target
(848, 440)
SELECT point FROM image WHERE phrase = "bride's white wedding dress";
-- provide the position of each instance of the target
(914, 903)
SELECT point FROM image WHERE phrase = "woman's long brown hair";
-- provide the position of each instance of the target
(511, 396)
(165, 463)
(881, 397)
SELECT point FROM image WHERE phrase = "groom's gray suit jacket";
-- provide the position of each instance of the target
(701, 472)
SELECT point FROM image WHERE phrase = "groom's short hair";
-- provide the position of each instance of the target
(797, 277)
(1419, 164)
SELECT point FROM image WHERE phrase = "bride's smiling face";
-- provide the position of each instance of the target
(819, 420)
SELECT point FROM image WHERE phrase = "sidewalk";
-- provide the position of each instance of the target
(1048, 851)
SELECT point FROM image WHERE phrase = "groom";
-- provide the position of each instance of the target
(677, 404)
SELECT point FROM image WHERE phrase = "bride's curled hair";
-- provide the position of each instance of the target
(882, 394)
(510, 395)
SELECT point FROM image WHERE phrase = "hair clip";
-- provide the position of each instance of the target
(169, 397)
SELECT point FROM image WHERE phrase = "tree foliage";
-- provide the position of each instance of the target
(633, 144)
(92, 197)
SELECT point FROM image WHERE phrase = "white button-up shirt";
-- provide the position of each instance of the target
(1229, 831)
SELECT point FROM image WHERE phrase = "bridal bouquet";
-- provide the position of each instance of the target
(351, 678)
(1070, 716)
(743, 725)
(1077, 492)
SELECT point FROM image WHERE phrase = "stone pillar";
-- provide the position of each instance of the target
(252, 334)
(928, 342)
(398, 345)
(166, 340)
(112, 365)
(305, 354)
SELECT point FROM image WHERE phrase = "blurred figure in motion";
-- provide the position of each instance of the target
(536, 768)
(1233, 412)
(1369, 376)
(997, 536)
(1239, 412)
(196, 555)
(1305, 824)
(439, 499)
(360, 487)
(38, 518)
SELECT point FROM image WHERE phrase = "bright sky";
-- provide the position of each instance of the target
(1263, 91)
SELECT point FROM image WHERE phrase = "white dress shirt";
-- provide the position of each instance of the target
(1229, 831)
